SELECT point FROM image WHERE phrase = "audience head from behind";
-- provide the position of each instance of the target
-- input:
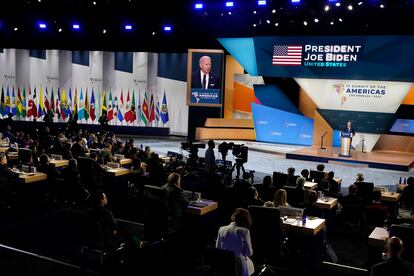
(331, 175)
(312, 198)
(174, 179)
(93, 156)
(291, 171)
(360, 177)
(241, 217)
(300, 183)
(44, 159)
(376, 196)
(280, 198)
(410, 181)
(211, 144)
(394, 247)
(253, 194)
(267, 181)
(3, 158)
(320, 167)
(269, 204)
(305, 173)
(246, 176)
(99, 199)
(73, 164)
(352, 190)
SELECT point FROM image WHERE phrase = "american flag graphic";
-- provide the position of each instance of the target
(287, 55)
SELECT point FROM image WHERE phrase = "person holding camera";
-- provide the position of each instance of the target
(210, 158)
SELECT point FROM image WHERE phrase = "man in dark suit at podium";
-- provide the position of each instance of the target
(204, 78)
(349, 129)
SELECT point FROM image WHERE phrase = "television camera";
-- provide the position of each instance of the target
(192, 148)
(240, 152)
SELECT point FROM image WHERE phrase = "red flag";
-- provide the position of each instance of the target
(152, 110)
(31, 104)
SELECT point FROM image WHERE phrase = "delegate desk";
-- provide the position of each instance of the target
(32, 177)
(310, 185)
(125, 162)
(116, 183)
(390, 196)
(59, 163)
(327, 202)
(3, 149)
(378, 237)
(202, 207)
(311, 228)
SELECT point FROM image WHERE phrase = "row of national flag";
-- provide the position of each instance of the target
(60, 104)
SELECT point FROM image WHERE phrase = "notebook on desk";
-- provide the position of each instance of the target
(198, 204)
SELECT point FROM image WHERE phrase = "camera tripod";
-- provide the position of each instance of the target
(238, 165)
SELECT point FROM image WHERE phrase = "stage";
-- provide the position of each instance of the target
(389, 160)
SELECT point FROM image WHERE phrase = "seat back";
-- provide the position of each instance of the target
(221, 261)
(317, 175)
(406, 234)
(375, 216)
(279, 179)
(294, 197)
(365, 191)
(155, 212)
(265, 233)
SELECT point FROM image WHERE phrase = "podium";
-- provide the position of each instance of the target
(346, 138)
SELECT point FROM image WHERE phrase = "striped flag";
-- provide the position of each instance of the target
(287, 55)
(145, 111)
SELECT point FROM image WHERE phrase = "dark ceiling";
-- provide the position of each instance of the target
(191, 28)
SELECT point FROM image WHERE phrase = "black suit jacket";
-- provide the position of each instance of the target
(393, 267)
(349, 131)
(213, 80)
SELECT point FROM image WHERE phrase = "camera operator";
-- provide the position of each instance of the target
(210, 158)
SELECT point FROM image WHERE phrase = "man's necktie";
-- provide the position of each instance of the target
(204, 81)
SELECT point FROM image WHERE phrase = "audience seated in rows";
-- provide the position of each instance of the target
(266, 190)
(407, 197)
(280, 198)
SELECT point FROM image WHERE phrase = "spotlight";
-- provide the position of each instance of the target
(327, 8)
(276, 24)
(338, 4)
(268, 21)
(104, 31)
(316, 20)
(198, 6)
(42, 26)
(350, 7)
(261, 2)
(305, 23)
(128, 27)
(60, 30)
(340, 19)
(273, 11)
(254, 25)
(332, 22)
(254, 12)
(295, 1)
(359, 3)
(229, 12)
(94, 3)
(382, 6)
(229, 4)
(153, 33)
(76, 26)
(16, 29)
(167, 28)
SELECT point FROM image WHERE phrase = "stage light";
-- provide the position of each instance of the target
(305, 23)
(94, 3)
(327, 8)
(198, 6)
(229, 4)
(350, 7)
(332, 22)
(340, 20)
(295, 1)
(128, 27)
(338, 4)
(359, 3)
(382, 6)
(316, 20)
(261, 2)
(167, 28)
(273, 11)
(268, 21)
(229, 12)
(42, 26)
(254, 12)
(153, 33)
(76, 26)
(104, 31)
(16, 29)
(60, 30)
(254, 25)
(276, 24)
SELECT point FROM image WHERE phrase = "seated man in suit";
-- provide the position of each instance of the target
(394, 265)
(204, 78)
(6, 178)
